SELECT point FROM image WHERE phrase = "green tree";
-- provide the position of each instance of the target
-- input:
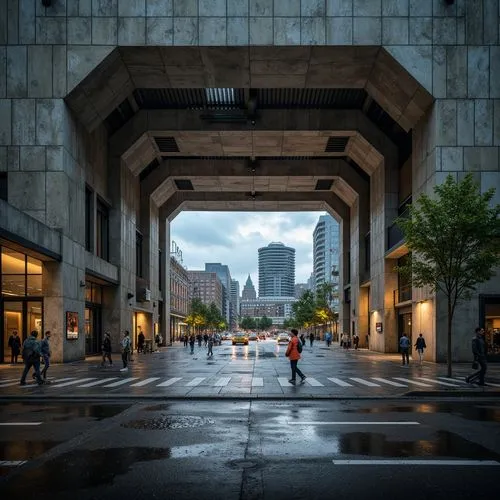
(247, 323)
(303, 310)
(213, 316)
(197, 316)
(264, 323)
(453, 238)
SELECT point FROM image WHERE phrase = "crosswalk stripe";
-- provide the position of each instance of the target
(449, 379)
(4, 381)
(10, 384)
(168, 382)
(436, 381)
(421, 384)
(364, 382)
(313, 382)
(492, 385)
(257, 382)
(72, 382)
(283, 381)
(196, 381)
(339, 382)
(12, 463)
(145, 382)
(222, 382)
(390, 382)
(98, 382)
(121, 382)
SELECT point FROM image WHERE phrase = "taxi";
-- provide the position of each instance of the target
(240, 338)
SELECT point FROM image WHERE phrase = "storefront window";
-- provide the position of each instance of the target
(21, 275)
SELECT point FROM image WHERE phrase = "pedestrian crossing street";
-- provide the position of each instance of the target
(247, 381)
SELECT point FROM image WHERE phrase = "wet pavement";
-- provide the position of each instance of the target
(251, 450)
(257, 371)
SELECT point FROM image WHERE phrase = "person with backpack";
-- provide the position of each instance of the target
(420, 346)
(125, 350)
(106, 350)
(45, 352)
(31, 357)
(293, 354)
(404, 344)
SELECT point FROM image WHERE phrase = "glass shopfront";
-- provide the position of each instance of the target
(93, 318)
(21, 302)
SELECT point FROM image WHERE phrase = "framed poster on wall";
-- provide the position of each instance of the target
(378, 327)
(71, 325)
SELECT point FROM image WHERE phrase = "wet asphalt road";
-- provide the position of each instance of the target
(251, 450)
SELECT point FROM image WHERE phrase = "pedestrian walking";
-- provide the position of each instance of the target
(199, 338)
(479, 351)
(191, 342)
(15, 347)
(210, 345)
(311, 339)
(185, 339)
(404, 345)
(303, 339)
(106, 350)
(293, 354)
(341, 340)
(31, 358)
(355, 341)
(46, 353)
(125, 350)
(140, 341)
(420, 346)
(205, 339)
(328, 338)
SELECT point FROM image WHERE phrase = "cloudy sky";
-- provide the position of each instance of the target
(233, 238)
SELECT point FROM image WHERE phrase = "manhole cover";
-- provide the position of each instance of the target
(169, 422)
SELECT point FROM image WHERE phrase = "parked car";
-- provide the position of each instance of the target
(240, 338)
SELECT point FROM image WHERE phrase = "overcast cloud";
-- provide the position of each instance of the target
(233, 238)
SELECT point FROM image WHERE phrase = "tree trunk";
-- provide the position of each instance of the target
(450, 319)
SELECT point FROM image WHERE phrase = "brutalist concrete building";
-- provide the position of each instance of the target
(115, 115)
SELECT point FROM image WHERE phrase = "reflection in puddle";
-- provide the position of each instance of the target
(24, 450)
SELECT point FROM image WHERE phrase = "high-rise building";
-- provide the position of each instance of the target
(248, 292)
(276, 270)
(205, 286)
(235, 304)
(299, 289)
(326, 250)
(278, 309)
(224, 275)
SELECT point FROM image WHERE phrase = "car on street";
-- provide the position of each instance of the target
(253, 336)
(283, 338)
(226, 336)
(240, 338)
(262, 336)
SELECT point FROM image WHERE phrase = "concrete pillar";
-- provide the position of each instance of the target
(164, 245)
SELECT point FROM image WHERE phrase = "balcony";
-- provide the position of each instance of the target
(402, 295)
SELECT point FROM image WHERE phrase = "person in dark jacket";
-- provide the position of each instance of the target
(106, 350)
(15, 347)
(31, 357)
(420, 346)
(311, 339)
(192, 340)
(479, 352)
(140, 341)
(45, 352)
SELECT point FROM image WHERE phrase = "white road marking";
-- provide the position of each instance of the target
(339, 382)
(492, 385)
(145, 382)
(257, 382)
(313, 382)
(168, 382)
(439, 382)
(422, 384)
(12, 463)
(453, 463)
(364, 382)
(312, 422)
(102, 381)
(222, 382)
(390, 382)
(8, 380)
(121, 382)
(196, 381)
(72, 382)
(10, 384)
(449, 379)
(7, 424)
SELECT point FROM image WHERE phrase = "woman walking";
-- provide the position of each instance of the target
(293, 354)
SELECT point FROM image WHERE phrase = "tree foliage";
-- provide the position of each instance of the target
(264, 323)
(202, 317)
(247, 323)
(454, 239)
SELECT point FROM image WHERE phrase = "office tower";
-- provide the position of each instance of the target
(248, 292)
(205, 286)
(224, 275)
(235, 304)
(276, 270)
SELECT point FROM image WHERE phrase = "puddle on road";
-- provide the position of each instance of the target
(24, 450)
(480, 413)
(444, 444)
(162, 422)
(80, 469)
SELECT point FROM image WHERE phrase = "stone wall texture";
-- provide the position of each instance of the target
(453, 51)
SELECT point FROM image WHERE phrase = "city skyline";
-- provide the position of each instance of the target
(233, 238)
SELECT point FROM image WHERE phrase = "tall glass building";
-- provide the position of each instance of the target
(326, 247)
(276, 270)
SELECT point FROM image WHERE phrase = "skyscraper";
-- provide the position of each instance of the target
(276, 270)
(224, 275)
(326, 249)
(248, 292)
(235, 304)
